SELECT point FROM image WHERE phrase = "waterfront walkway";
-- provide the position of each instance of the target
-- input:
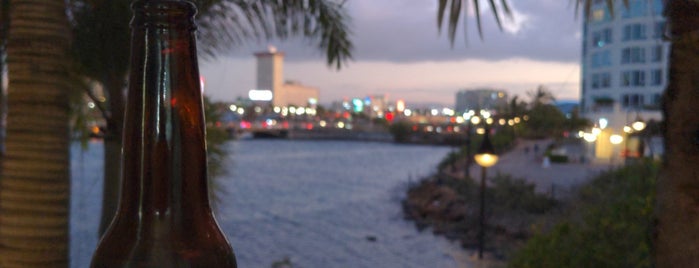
(527, 163)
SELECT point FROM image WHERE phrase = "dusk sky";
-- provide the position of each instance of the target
(399, 52)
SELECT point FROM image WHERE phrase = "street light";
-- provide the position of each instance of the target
(485, 157)
(638, 125)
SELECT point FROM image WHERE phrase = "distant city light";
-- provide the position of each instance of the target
(434, 112)
(322, 123)
(400, 106)
(603, 123)
(517, 120)
(489, 121)
(447, 112)
(408, 112)
(340, 124)
(91, 105)
(480, 131)
(502, 121)
(233, 107)
(358, 105)
(258, 109)
(475, 120)
(241, 110)
(277, 109)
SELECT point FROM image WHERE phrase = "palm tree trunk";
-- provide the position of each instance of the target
(677, 230)
(35, 182)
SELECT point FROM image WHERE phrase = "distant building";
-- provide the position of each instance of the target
(472, 99)
(296, 94)
(624, 62)
(624, 70)
(270, 86)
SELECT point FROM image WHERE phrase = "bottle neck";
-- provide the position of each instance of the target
(164, 155)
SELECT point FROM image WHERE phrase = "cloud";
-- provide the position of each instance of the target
(399, 51)
(406, 31)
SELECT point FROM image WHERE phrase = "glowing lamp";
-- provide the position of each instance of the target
(616, 139)
(638, 125)
(485, 156)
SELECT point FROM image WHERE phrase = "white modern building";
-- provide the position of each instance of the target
(272, 88)
(624, 66)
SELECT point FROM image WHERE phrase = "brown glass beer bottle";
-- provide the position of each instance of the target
(164, 218)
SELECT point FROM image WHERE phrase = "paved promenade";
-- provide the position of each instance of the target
(526, 162)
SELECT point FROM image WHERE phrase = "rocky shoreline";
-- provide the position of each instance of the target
(449, 206)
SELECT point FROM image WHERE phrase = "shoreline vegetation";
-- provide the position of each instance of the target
(605, 222)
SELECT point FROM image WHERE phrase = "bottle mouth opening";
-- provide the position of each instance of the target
(163, 14)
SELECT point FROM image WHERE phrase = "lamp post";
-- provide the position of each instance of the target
(473, 121)
(614, 139)
(485, 157)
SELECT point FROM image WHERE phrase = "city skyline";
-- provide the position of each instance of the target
(399, 52)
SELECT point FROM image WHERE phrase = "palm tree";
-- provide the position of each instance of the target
(677, 232)
(541, 95)
(677, 243)
(101, 45)
(35, 182)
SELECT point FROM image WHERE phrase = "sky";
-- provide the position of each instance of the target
(399, 52)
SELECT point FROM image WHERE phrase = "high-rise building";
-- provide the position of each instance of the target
(476, 99)
(270, 73)
(624, 62)
(624, 71)
(271, 86)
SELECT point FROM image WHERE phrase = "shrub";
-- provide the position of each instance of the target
(609, 225)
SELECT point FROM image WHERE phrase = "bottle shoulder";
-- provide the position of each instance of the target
(134, 245)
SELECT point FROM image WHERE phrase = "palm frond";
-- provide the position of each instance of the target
(324, 22)
(457, 7)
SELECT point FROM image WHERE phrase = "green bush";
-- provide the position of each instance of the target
(609, 225)
(510, 194)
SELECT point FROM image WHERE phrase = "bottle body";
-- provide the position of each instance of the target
(164, 218)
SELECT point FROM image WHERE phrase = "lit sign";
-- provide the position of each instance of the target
(260, 95)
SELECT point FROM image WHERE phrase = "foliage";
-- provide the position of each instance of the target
(511, 194)
(541, 96)
(215, 137)
(545, 120)
(456, 7)
(609, 226)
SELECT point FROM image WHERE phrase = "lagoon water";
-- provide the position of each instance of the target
(317, 203)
